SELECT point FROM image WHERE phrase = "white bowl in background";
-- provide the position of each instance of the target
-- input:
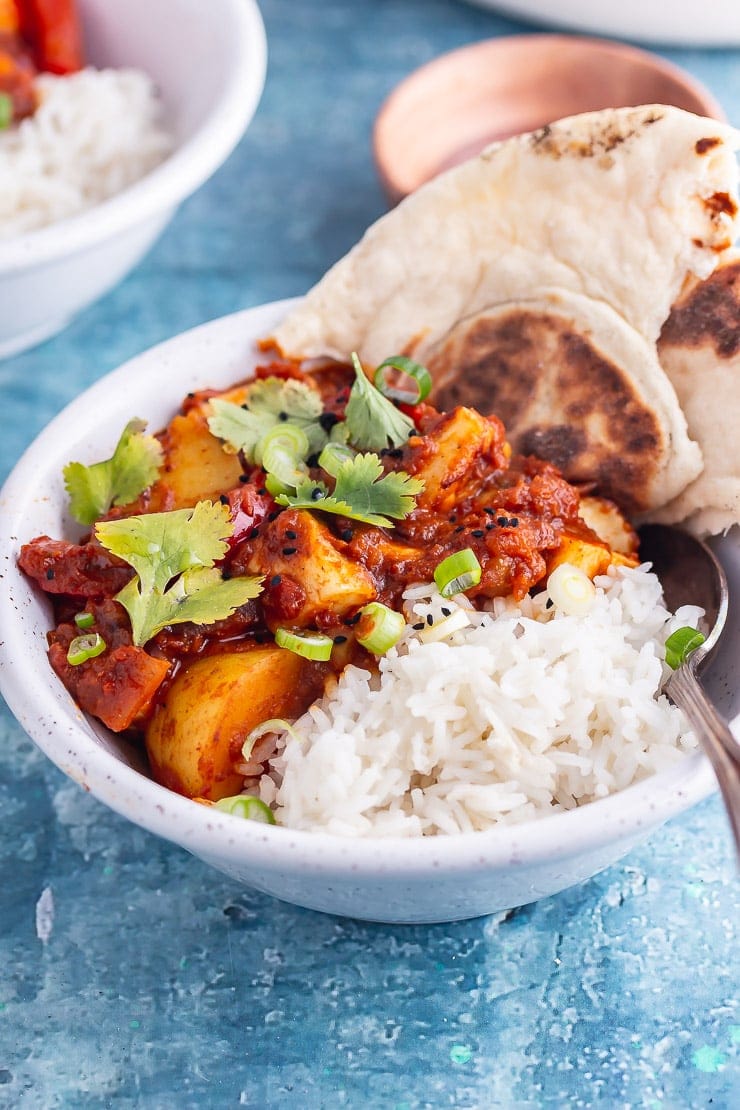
(678, 23)
(208, 61)
(432, 879)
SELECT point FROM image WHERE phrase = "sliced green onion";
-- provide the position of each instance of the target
(680, 644)
(571, 590)
(419, 374)
(332, 457)
(275, 724)
(448, 626)
(245, 805)
(339, 433)
(274, 486)
(86, 647)
(311, 645)
(379, 627)
(281, 452)
(6, 111)
(458, 572)
(84, 620)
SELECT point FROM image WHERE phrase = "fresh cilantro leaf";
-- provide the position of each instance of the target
(182, 545)
(373, 422)
(160, 545)
(200, 595)
(361, 493)
(269, 402)
(240, 430)
(133, 466)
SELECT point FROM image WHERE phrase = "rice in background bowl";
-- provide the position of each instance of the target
(93, 133)
(49, 274)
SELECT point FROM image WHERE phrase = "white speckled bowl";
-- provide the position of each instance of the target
(208, 59)
(402, 880)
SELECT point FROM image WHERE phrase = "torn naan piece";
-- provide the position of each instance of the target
(588, 228)
(699, 349)
(573, 385)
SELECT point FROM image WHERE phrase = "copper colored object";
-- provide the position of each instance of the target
(451, 108)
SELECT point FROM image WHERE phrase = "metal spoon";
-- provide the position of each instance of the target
(691, 575)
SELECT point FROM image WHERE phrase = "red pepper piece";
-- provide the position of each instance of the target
(53, 30)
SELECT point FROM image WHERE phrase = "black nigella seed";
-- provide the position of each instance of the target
(290, 534)
(49, 574)
(460, 528)
(513, 522)
(312, 460)
(254, 533)
(346, 534)
(274, 515)
(276, 580)
(340, 639)
(243, 478)
(223, 499)
(502, 521)
(327, 420)
(191, 395)
(490, 511)
(245, 407)
(396, 453)
(452, 519)
(226, 575)
(548, 603)
(477, 532)
(353, 620)
(282, 416)
(289, 550)
(262, 491)
(490, 525)
(446, 612)
(430, 619)
(316, 494)
(418, 627)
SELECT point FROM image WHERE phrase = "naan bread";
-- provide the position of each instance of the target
(574, 385)
(591, 227)
(699, 349)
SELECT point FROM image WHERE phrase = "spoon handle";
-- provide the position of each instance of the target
(719, 744)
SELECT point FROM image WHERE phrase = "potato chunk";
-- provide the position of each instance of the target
(460, 439)
(606, 540)
(313, 577)
(591, 555)
(195, 464)
(604, 518)
(195, 739)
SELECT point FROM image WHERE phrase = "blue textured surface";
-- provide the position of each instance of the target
(132, 975)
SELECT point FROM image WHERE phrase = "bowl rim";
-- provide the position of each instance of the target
(607, 48)
(179, 175)
(34, 698)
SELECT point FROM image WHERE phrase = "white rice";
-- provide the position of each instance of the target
(94, 133)
(523, 712)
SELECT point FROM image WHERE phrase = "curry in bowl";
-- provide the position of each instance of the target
(282, 537)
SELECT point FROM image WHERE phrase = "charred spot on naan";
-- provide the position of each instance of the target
(708, 313)
(559, 397)
(703, 146)
(621, 129)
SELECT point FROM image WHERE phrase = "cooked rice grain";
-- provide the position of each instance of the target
(94, 133)
(523, 713)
